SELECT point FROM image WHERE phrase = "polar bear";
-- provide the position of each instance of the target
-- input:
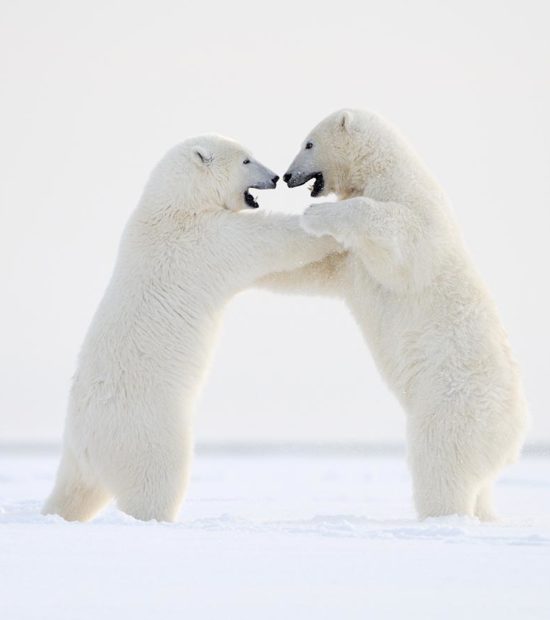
(425, 314)
(186, 250)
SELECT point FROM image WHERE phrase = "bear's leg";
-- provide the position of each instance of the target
(153, 498)
(74, 498)
(163, 506)
(484, 503)
(437, 494)
(324, 277)
(443, 485)
(326, 218)
(154, 486)
(435, 497)
(356, 220)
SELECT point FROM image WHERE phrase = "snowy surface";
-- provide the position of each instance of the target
(277, 536)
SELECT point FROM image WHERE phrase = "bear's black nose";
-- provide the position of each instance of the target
(274, 180)
(287, 177)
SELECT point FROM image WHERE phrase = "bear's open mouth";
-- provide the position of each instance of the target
(250, 200)
(319, 184)
(297, 179)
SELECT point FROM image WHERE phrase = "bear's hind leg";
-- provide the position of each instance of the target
(152, 497)
(160, 506)
(154, 486)
(484, 503)
(437, 496)
(442, 485)
(73, 498)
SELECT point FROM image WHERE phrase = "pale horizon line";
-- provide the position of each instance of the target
(274, 448)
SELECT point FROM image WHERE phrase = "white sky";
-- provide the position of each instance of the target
(93, 93)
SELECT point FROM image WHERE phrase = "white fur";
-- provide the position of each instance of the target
(184, 253)
(425, 313)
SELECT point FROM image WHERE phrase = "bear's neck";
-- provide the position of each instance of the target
(178, 194)
(387, 172)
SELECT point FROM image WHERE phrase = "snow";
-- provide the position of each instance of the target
(277, 535)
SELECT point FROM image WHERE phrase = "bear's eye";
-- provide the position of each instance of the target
(309, 145)
(246, 161)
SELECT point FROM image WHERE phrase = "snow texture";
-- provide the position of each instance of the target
(277, 536)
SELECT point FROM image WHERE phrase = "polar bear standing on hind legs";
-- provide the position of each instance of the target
(184, 253)
(426, 315)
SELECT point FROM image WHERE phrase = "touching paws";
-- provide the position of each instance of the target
(319, 219)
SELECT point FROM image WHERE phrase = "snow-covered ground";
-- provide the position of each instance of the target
(277, 536)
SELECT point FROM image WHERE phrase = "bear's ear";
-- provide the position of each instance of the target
(345, 121)
(203, 156)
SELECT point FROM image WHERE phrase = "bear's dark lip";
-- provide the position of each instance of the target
(317, 187)
(265, 184)
(319, 184)
(250, 200)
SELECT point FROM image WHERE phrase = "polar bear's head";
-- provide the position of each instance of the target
(338, 152)
(210, 171)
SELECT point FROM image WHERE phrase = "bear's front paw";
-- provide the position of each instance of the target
(317, 219)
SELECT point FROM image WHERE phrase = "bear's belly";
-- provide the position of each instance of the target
(434, 347)
(392, 327)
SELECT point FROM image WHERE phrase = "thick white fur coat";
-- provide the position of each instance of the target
(427, 317)
(184, 253)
